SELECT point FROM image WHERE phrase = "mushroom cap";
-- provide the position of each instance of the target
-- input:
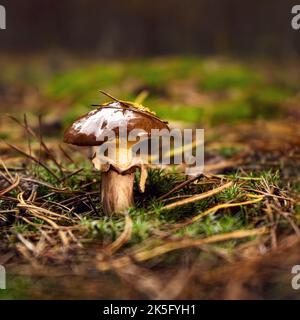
(89, 129)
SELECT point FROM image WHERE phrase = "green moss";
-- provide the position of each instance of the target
(228, 112)
(228, 76)
(18, 288)
(82, 85)
(230, 151)
(178, 112)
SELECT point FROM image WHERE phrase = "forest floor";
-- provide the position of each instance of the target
(233, 232)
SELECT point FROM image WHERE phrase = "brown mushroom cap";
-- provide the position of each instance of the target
(89, 129)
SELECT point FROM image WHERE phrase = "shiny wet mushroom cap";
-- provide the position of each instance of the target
(117, 177)
(89, 129)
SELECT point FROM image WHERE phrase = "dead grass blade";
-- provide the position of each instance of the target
(29, 131)
(176, 245)
(218, 207)
(35, 160)
(6, 170)
(28, 244)
(123, 238)
(66, 154)
(14, 185)
(197, 197)
(222, 165)
(180, 186)
(273, 225)
(30, 207)
(272, 195)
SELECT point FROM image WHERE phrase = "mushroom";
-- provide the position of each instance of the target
(117, 174)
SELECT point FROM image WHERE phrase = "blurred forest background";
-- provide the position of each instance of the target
(145, 28)
(228, 66)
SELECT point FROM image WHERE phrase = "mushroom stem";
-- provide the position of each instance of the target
(117, 191)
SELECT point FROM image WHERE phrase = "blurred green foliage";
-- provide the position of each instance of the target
(233, 91)
(230, 91)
